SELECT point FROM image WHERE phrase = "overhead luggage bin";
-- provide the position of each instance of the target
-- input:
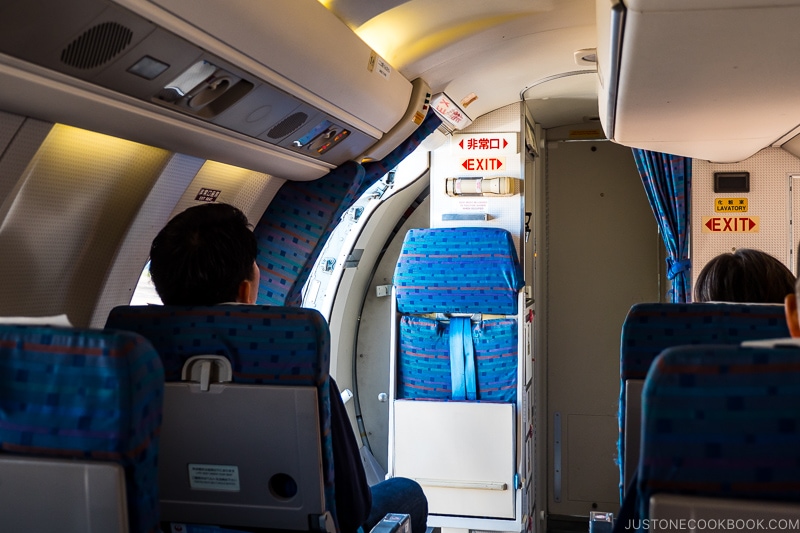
(697, 78)
(280, 87)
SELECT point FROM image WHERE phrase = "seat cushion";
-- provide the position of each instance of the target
(423, 370)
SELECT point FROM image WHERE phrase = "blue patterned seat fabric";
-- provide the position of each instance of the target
(650, 328)
(722, 421)
(86, 394)
(265, 345)
(424, 359)
(457, 270)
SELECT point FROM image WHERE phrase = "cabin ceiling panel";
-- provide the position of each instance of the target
(434, 37)
(494, 49)
(503, 82)
(564, 100)
(354, 13)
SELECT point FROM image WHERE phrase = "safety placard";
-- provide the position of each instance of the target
(207, 195)
(730, 205)
(214, 477)
(731, 225)
(486, 142)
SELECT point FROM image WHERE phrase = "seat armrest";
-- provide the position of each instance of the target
(393, 523)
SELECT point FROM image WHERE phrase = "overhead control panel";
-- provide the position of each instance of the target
(252, 69)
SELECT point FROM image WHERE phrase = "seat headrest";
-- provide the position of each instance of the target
(265, 344)
(649, 328)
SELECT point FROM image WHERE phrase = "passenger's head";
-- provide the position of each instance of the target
(790, 306)
(205, 255)
(744, 276)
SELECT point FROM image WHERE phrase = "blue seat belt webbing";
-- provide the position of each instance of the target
(462, 360)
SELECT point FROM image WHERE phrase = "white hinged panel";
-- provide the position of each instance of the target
(461, 453)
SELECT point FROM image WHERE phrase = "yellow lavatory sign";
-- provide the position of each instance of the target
(730, 205)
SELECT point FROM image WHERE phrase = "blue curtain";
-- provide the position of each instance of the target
(667, 180)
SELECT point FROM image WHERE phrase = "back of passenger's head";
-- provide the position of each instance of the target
(744, 276)
(202, 256)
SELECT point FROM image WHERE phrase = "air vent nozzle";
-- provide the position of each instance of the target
(96, 46)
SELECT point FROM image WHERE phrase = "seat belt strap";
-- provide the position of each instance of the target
(462, 360)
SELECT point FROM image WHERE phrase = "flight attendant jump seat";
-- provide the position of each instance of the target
(460, 377)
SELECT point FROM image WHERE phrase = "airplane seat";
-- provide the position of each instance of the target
(80, 414)
(650, 328)
(260, 457)
(721, 434)
(455, 375)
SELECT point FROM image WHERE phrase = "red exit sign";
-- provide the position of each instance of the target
(484, 163)
(731, 224)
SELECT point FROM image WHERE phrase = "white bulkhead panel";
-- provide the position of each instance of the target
(471, 470)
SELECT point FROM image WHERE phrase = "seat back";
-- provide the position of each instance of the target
(81, 416)
(258, 448)
(650, 328)
(66, 495)
(724, 422)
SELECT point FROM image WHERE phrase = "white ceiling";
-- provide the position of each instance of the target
(495, 49)
(711, 79)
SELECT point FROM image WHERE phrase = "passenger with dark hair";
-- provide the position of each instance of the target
(791, 305)
(206, 255)
(747, 276)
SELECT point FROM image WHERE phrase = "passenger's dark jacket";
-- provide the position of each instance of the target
(353, 496)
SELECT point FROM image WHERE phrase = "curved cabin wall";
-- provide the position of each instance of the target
(81, 209)
(74, 201)
(184, 180)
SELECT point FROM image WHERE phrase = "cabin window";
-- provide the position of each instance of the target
(145, 292)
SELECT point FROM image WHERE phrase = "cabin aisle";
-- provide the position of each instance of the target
(601, 256)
